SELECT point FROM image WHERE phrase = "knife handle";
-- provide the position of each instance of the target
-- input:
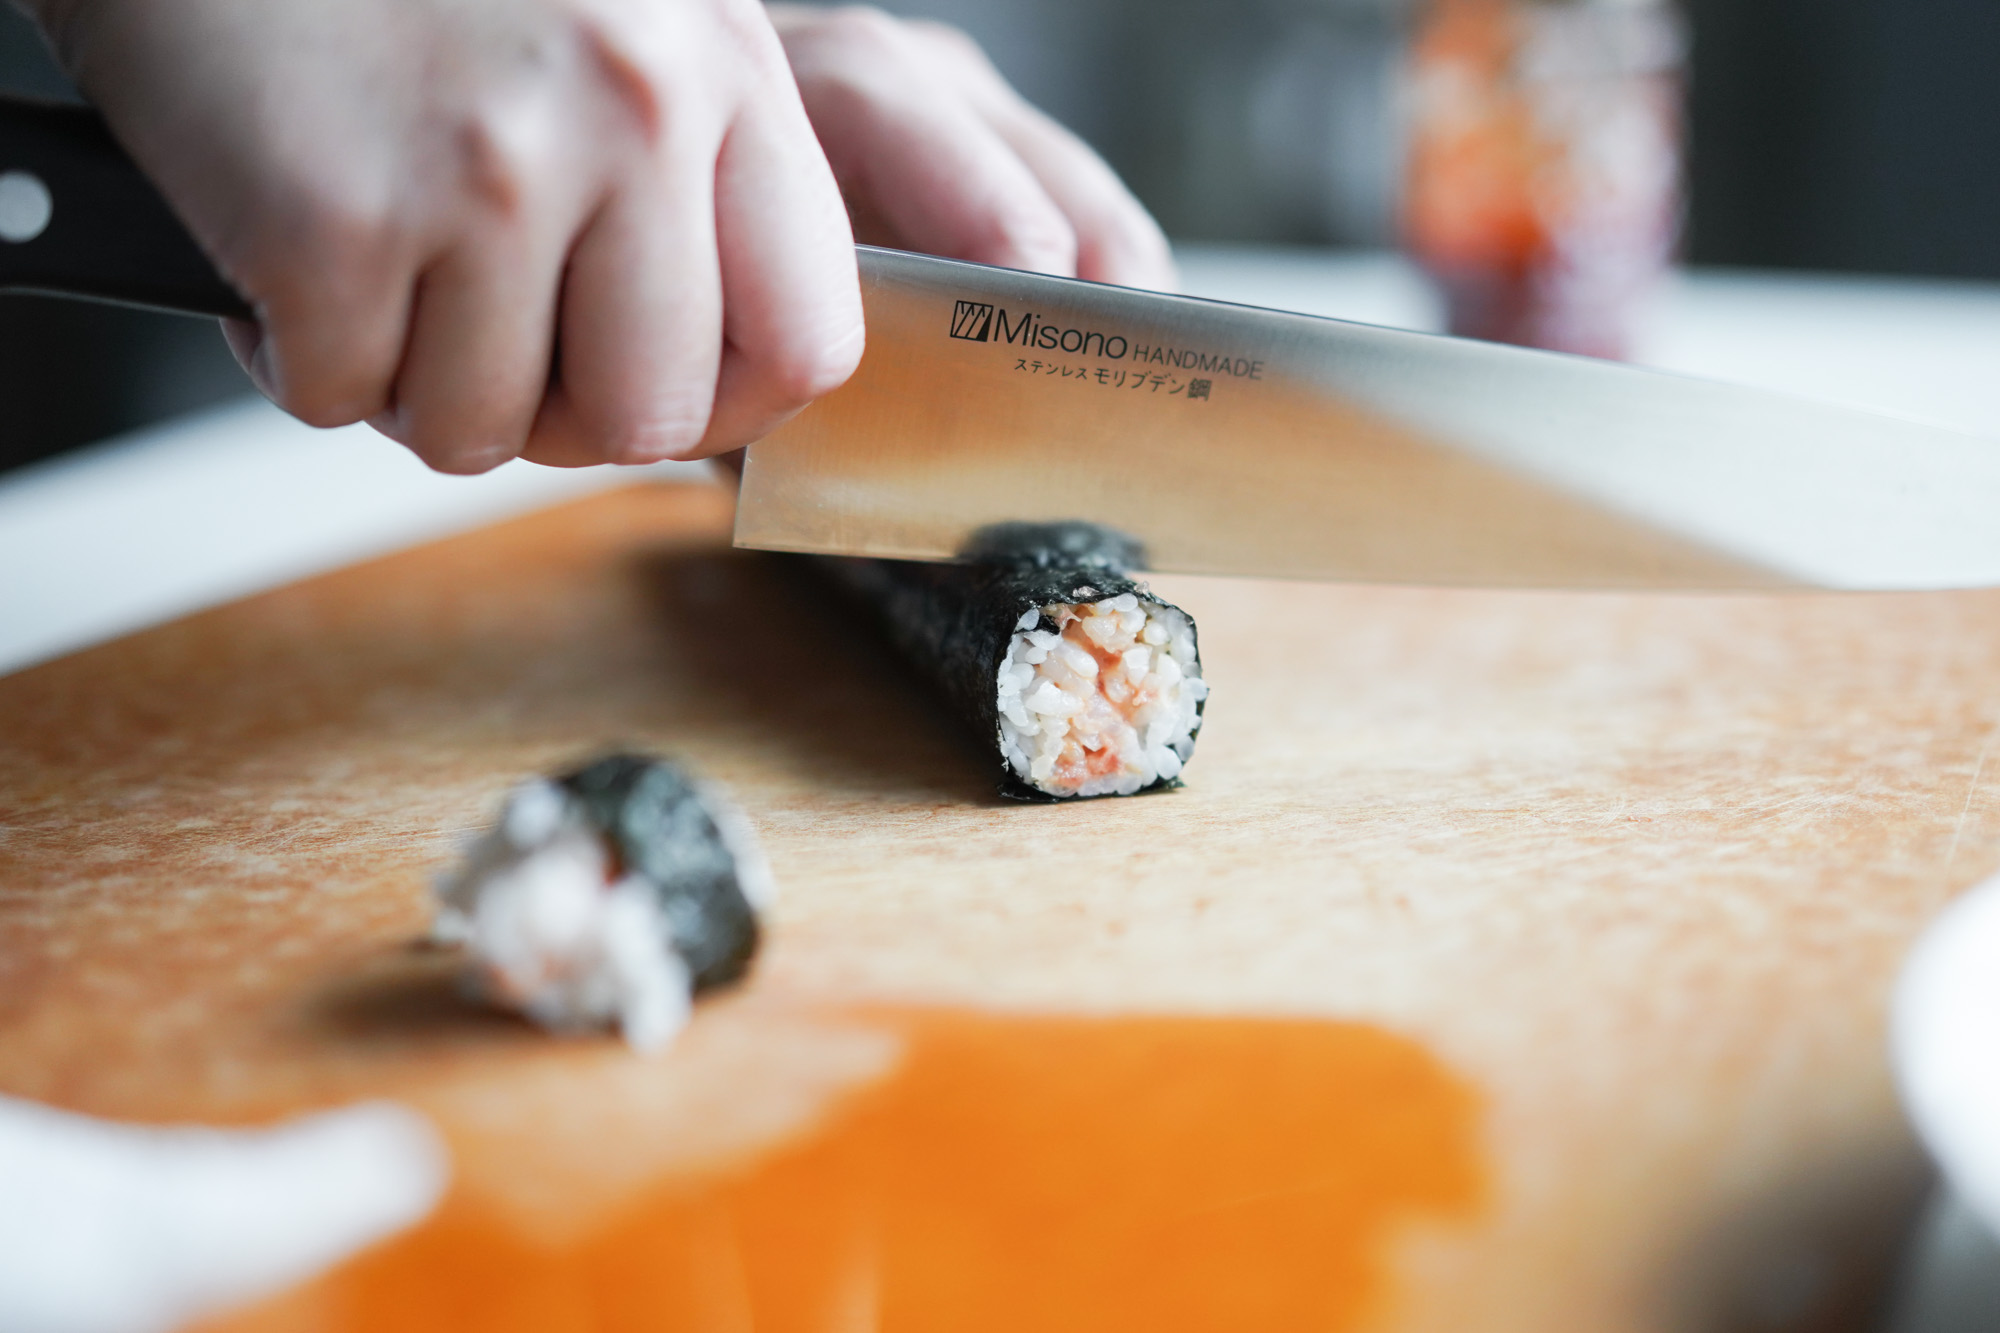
(78, 218)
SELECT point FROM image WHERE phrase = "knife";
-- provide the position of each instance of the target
(77, 218)
(1234, 440)
(1223, 438)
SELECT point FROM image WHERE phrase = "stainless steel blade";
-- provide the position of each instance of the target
(1234, 440)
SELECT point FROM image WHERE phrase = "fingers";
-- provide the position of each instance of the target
(254, 161)
(641, 323)
(1116, 238)
(936, 152)
(913, 157)
(791, 293)
(659, 263)
(701, 313)
(472, 379)
(332, 314)
(951, 186)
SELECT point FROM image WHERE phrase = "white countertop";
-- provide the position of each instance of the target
(216, 505)
(1918, 348)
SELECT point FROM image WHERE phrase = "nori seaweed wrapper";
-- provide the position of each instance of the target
(954, 622)
(661, 829)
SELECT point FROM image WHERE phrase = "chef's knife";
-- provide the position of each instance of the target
(1234, 440)
(1223, 438)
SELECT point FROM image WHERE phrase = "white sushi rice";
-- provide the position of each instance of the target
(1100, 698)
(554, 935)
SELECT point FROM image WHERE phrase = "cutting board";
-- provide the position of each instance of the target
(1510, 961)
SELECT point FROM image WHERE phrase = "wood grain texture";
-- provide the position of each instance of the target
(1639, 868)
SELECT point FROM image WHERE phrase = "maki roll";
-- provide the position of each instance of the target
(1082, 681)
(608, 895)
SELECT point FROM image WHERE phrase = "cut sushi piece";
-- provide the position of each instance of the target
(608, 895)
(1083, 682)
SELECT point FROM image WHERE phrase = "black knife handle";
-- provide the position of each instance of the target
(78, 218)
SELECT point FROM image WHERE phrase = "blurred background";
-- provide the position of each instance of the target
(1845, 135)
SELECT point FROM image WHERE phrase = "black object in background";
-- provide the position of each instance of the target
(1847, 134)
(72, 373)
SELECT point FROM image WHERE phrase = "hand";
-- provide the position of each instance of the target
(574, 230)
(936, 152)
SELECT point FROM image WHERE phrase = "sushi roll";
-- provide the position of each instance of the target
(608, 895)
(1082, 682)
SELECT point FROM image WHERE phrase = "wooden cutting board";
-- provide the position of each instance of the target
(1511, 961)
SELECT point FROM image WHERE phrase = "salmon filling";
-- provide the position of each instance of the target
(1100, 698)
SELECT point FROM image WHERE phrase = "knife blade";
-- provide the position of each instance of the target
(1223, 438)
(1233, 440)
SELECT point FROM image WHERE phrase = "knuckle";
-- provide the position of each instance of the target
(497, 163)
(1125, 228)
(1155, 256)
(747, 27)
(861, 45)
(470, 464)
(662, 88)
(1039, 238)
(325, 411)
(656, 443)
(949, 37)
(862, 28)
(638, 79)
(457, 447)
(858, 55)
(801, 372)
(459, 456)
(322, 269)
(672, 430)
(318, 253)
(328, 389)
(336, 227)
